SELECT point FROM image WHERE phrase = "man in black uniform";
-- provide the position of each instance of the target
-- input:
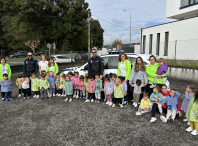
(95, 64)
(30, 66)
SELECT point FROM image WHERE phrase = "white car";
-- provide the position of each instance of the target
(61, 59)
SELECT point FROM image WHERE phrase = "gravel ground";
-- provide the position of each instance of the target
(55, 122)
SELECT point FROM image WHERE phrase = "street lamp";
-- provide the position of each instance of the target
(130, 26)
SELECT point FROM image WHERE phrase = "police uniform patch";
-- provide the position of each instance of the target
(26, 62)
(91, 61)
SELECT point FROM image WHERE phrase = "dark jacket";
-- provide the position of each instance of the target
(30, 66)
(96, 65)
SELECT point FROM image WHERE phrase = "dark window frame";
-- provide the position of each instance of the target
(189, 5)
(144, 44)
(158, 44)
(150, 43)
(166, 43)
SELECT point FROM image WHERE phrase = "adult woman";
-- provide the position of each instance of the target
(43, 63)
(138, 72)
(4, 69)
(124, 70)
(52, 66)
(151, 70)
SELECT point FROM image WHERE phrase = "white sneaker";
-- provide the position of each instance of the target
(34, 96)
(59, 95)
(135, 105)
(121, 105)
(50, 96)
(54, 95)
(74, 96)
(37, 96)
(153, 119)
(62, 95)
(194, 132)
(92, 100)
(188, 123)
(163, 119)
(113, 105)
(110, 103)
(107, 102)
(138, 113)
(19, 95)
(189, 129)
(153, 85)
(185, 120)
(87, 100)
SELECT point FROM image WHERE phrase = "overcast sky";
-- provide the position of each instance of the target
(144, 13)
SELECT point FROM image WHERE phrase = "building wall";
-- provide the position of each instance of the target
(137, 49)
(185, 32)
(173, 10)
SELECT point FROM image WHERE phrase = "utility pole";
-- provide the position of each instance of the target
(88, 34)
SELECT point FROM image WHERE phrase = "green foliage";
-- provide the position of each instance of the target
(110, 47)
(116, 42)
(61, 21)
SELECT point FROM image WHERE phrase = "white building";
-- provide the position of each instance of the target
(177, 39)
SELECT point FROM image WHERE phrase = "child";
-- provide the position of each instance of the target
(75, 81)
(68, 89)
(48, 74)
(137, 91)
(19, 84)
(25, 87)
(91, 89)
(172, 105)
(82, 87)
(156, 98)
(71, 75)
(125, 88)
(187, 97)
(58, 90)
(108, 89)
(52, 82)
(34, 85)
(42, 72)
(6, 88)
(118, 92)
(162, 69)
(43, 85)
(192, 114)
(144, 105)
(86, 81)
(98, 89)
(63, 84)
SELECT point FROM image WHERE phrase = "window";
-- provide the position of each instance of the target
(132, 60)
(144, 44)
(158, 44)
(188, 3)
(150, 44)
(105, 62)
(113, 62)
(166, 43)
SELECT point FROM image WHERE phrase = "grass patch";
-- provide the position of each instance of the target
(183, 63)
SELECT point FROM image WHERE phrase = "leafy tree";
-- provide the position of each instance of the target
(116, 42)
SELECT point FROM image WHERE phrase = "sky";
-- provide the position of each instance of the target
(116, 22)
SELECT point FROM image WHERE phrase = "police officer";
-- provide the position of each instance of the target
(95, 64)
(30, 66)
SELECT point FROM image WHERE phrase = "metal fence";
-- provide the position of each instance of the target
(178, 53)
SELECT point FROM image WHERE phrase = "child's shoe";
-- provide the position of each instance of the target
(87, 100)
(59, 95)
(121, 105)
(66, 99)
(138, 113)
(2, 99)
(34, 96)
(107, 102)
(113, 105)
(77, 96)
(153, 85)
(135, 105)
(11, 98)
(6, 99)
(54, 94)
(194, 132)
(83, 96)
(28, 97)
(125, 104)
(185, 120)
(189, 129)
(110, 103)
(153, 119)
(92, 100)
(98, 101)
(80, 97)
(62, 95)
(24, 98)
(19, 95)
(74, 96)
(37, 96)
(188, 123)
(70, 100)
(164, 119)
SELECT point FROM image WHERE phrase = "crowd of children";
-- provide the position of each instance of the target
(114, 89)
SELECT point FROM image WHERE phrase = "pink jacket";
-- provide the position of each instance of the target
(91, 86)
(81, 83)
(75, 81)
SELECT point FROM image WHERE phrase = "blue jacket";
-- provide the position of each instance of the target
(68, 87)
(52, 81)
(172, 101)
(6, 88)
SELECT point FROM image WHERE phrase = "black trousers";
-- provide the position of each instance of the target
(91, 96)
(115, 100)
(20, 91)
(26, 92)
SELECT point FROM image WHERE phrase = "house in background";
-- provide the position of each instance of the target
(177, 39)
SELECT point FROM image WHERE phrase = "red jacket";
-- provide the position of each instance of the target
(165, 105)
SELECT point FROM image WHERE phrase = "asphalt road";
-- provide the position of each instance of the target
(55, 122)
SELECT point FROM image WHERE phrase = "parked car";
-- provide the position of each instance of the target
(81, 57)
(61, 59)
(111, 64)
(39, 53)
(19, 54)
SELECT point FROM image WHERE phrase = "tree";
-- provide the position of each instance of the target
(116, 42)
(110, 47)
(33, 45)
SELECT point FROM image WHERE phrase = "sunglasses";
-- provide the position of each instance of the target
(29, 55)
(93, 52)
